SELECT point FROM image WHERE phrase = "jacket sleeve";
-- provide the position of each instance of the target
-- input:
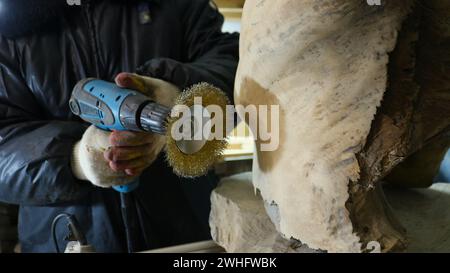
(210, 54)
(34, 152)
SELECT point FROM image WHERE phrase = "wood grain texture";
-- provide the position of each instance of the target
(361, 89)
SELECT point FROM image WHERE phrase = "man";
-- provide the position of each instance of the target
(46, 47)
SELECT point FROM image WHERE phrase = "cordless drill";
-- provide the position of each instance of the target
(110, 107)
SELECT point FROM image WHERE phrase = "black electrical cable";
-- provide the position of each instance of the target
(74, 229)
(125, 206)
(53, 229)
(125, 201)
(140, 218)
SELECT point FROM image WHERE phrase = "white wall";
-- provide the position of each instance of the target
(232, 25)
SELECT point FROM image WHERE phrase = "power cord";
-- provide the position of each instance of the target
(74, 230)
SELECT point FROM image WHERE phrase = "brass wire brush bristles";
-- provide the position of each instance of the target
(199, 163)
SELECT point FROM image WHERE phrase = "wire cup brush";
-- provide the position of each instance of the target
(203, 144)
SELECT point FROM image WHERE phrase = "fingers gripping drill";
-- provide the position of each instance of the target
(110, 107)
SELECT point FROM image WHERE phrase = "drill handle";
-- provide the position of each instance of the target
(127, 188)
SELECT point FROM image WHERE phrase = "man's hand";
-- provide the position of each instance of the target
(126, 154)
(160, 91)
(132, 152)
(88, 161)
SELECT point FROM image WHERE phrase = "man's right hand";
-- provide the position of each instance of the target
(89, 164)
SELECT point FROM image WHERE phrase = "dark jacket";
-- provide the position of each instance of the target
(182, 44)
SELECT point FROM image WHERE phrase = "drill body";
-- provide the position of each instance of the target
(110, 107)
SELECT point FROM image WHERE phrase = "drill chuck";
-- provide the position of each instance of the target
(153, 118)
